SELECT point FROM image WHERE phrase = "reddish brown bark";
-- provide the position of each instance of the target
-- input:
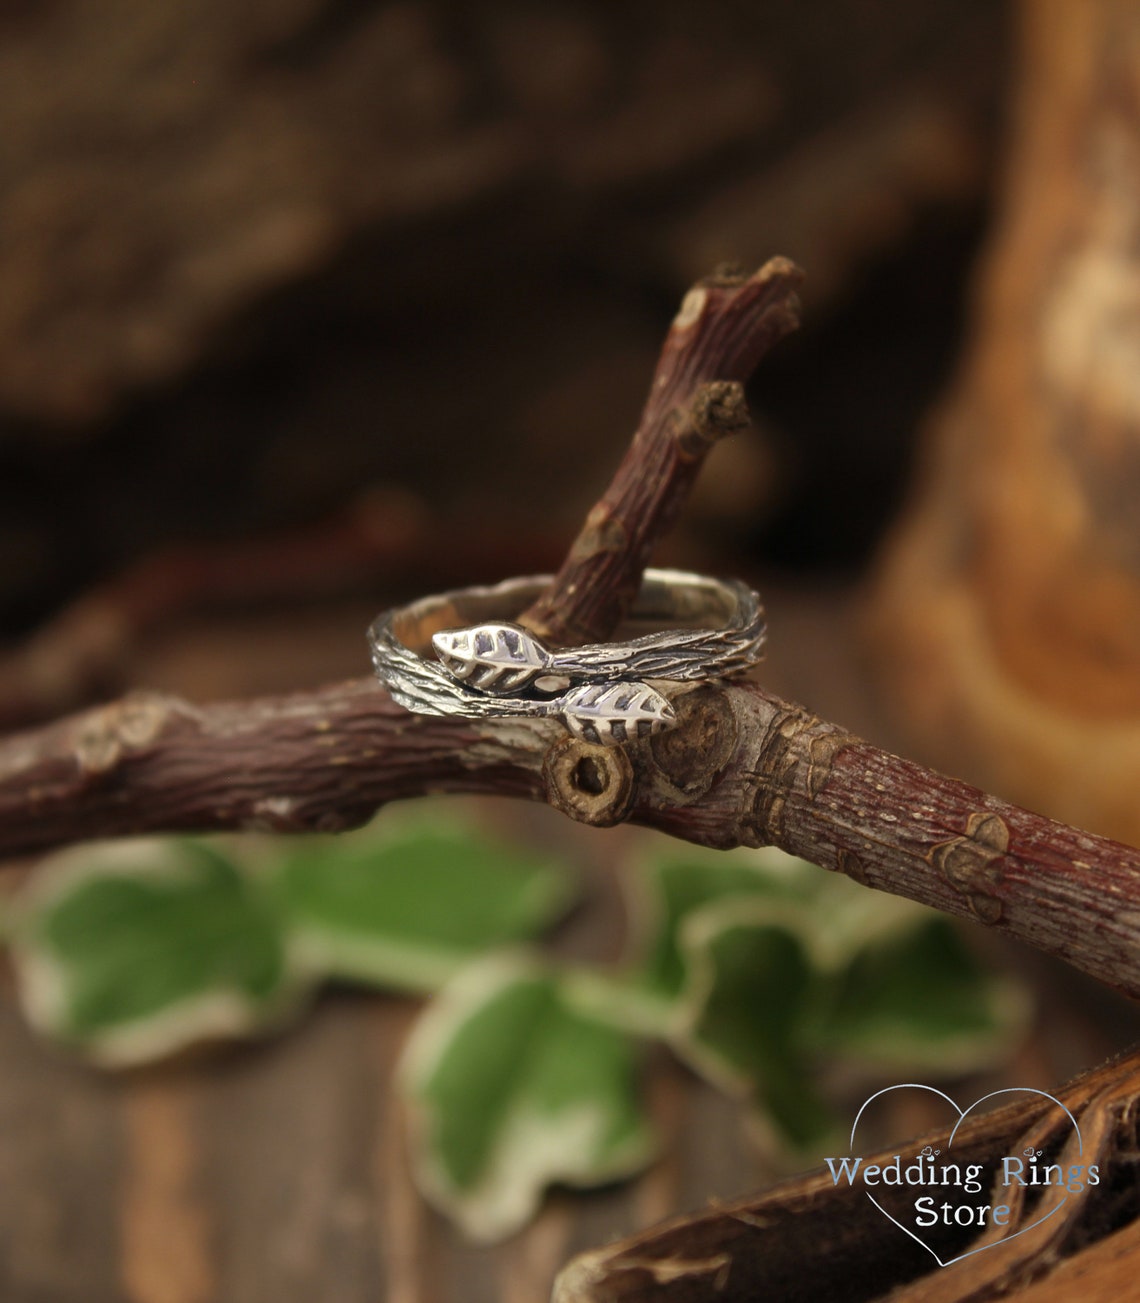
(742, 767)
(725, 326)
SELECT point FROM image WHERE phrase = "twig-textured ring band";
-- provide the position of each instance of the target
(484, 665)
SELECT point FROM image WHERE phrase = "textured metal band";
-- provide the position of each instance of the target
(487, 666)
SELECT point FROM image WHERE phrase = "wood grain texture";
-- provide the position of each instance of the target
(61, 1165)
(165, 1231)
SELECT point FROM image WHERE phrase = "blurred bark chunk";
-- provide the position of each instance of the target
(165, 167)
(815, 1237)
(845, 194)
(1007, 614)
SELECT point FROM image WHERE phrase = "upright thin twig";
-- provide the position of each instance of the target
(725, 326)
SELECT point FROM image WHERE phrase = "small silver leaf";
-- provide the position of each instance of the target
(610, 713)
(496, 658)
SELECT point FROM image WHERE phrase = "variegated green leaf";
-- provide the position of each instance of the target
(752, 990)
(509, 1088)
(132, 950)
(405, 903)
(920, 998)
(763, 971)
(673, 884)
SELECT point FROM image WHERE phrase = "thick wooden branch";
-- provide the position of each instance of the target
(725, 326)
(741, 768)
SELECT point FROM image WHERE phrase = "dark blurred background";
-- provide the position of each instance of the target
(263, 263)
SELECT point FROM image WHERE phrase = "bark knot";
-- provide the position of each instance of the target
(602, 532)
(106, 735)
(718, 408)
(797, 753)
(972, 864)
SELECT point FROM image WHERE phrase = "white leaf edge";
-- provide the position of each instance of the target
(420, 967)
(42, 986)
(537, 1151)
(1009, 1004)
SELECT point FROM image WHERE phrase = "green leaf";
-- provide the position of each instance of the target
(670, 888)
(921, 997)
(750, 992)
(130, 950)
(510, 1088)
(407, 906)
(768, 970)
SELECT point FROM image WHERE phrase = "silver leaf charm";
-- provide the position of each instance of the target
(495, 658)
(609, 713)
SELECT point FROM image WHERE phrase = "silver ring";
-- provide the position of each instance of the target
(484, 665)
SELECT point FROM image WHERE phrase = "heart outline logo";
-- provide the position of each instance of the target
(962, 1115)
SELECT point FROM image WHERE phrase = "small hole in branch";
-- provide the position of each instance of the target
(589, 776)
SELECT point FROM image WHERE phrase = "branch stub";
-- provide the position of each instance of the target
(590, 783)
